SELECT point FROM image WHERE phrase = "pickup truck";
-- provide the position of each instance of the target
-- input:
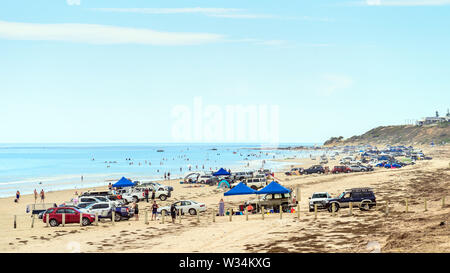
(137, 194)
(156, 186)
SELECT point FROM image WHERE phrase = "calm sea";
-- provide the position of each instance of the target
(51, 167)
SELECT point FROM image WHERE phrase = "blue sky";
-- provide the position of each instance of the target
(113, 71)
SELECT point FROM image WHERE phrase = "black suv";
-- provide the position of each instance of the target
(364, 198)
(315, 169)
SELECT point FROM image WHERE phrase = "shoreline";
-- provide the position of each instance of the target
(89, 182)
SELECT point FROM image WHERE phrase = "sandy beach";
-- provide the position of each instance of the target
(364, 231)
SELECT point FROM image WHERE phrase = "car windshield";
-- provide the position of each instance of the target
(84, 205)
(319, 195)
(102, 199)
(88, 206)
(341, 195)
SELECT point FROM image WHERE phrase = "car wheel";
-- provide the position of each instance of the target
(364, 206)
(117, 217)
(254, 187)
(162, 197)
(85, 221)
(192, 212)
(54, 223)
(336, 207)
(311, 210)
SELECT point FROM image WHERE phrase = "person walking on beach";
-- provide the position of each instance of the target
(154, 210)
(136, 211)
(165, 176)
(173, 213)
(35, 196)
(168, 175)
(146, 195)
(109, 186)
(221, 208)
(153, 194)
(17, 197)
(42, 195)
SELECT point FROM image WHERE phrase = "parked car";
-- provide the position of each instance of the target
(72, 215)
(186, 206)
(273, 201)
(137, 194)
(241, 175)
(96, 193)
(98, 199)
(295, 171)
(341, 169)
(360, 168)
(156, 186)
(364, 198)
(315, 169)
(39, 208)
(392, 165)
(318, 199)
(254, 183)
(105, 210)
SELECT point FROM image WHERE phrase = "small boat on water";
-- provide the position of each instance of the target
(160, 151)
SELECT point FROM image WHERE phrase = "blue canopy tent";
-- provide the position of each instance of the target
(221, 172)
(273, 188)
(240, 189)
(123, 182)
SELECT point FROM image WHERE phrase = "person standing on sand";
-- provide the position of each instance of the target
(153, 194)
(165, 176)
(221, 208)
(154, 210)
(35, 196)
(168, 175)
(17, 196)
(136, 211)
(146, 194)
(173, 213)
(42, 195)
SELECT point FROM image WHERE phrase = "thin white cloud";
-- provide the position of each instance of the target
(101, 34)
(231, 13)
(404, 3)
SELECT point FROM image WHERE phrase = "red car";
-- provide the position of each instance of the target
(341, 169)
(72, 215)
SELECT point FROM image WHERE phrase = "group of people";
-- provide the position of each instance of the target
(42, 194)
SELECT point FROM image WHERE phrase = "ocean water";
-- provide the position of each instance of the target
(51, 167)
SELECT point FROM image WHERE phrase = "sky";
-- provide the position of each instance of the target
(170, 71)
